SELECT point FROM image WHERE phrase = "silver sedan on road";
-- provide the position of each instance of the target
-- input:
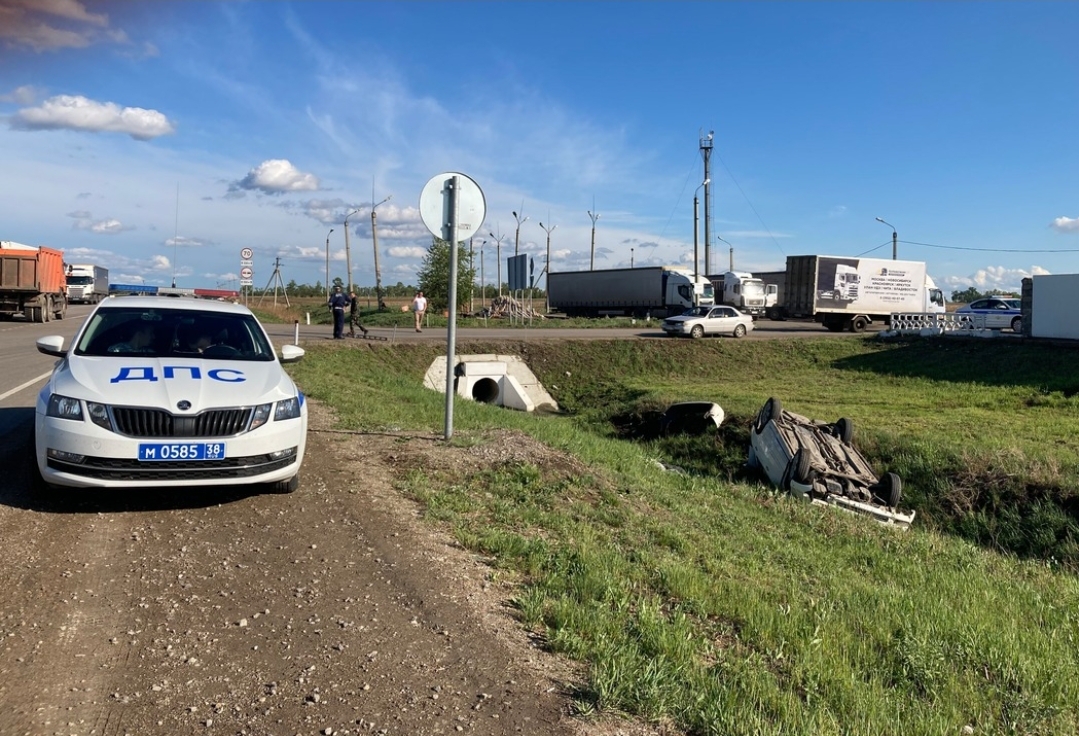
(710, 320)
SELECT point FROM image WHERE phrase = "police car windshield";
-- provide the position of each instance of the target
(160, 333)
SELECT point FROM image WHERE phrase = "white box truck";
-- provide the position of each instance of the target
(657, 291)
(846, 293)
(87, 283)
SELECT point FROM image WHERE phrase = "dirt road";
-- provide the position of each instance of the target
(333, 610)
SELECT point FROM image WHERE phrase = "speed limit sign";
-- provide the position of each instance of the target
(247, 254)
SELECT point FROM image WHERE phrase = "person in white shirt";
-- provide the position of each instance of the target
(419, 306)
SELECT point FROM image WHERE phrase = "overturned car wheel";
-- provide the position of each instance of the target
(801, 470)
(844, 430)
(771, 411)
(889, 490)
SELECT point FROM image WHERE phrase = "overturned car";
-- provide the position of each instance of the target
(817, 461)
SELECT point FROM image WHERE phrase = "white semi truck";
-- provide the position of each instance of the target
(844, 293)
(741, 290)
(87, 283)
(657, 291)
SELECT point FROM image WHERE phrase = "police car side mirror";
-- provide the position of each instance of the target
(51, 345)
(289, 353)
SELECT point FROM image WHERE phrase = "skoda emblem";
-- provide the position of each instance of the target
(183, 405)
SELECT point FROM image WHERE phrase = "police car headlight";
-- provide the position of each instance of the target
(261, 415)
(99, 415)
(64, 407)
(287, 409)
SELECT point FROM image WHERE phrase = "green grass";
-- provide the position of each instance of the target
(705, 599)
(393, 316)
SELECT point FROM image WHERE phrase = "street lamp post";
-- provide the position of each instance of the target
(374, 241)
(731, 255)
(348, 253)
(547, 266)
(517, 236)
(895, 239)
(696, 229)
(498, 259)
(592, 262)
(328, 263)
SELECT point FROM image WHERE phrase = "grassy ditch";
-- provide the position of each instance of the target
(370, 316)
(705, 600)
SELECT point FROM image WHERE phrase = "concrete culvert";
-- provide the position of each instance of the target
(485, 390)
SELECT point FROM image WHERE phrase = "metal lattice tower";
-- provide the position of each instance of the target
(706, 154)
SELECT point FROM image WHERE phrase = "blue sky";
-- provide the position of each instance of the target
(160, 138)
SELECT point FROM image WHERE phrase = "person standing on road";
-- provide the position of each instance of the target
(354, 315)
(419, 306)
(337, 303)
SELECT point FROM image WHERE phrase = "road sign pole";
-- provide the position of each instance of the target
(451, 329)
(451, 203)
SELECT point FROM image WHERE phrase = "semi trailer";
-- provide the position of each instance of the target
(657, 292)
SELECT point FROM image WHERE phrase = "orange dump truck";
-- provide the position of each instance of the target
(32, 282)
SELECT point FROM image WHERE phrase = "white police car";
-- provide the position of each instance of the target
(167, 392)
(995, 313)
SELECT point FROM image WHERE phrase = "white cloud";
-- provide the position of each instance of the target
(48, 25)
(1066, 225)
(277, 176)
(107, 226)
(24, 95)
(181, 241)
(993, 277)
(406, 252)
(75, 112)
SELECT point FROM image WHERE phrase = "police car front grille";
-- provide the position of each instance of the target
(157, 423)
(134, 470)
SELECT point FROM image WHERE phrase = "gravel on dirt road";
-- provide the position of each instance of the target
(333, 610)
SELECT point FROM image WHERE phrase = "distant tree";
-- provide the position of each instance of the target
(967, 295)
(434, 274)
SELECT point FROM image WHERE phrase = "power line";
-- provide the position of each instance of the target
(992, 250)
(960, 247)
(773, 237)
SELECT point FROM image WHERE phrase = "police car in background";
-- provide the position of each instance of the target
(995, 312)
(170, 392)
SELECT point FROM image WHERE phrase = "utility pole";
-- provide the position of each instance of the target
(696, 229)
(547, 266)
(374, 240)
(348, 253)
(498, 259)
(706, 153)
(328, 262)
(517, 237)
(594, 216)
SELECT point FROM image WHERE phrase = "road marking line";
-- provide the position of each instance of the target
(29, 383)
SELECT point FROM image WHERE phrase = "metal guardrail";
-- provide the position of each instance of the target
(931, 323)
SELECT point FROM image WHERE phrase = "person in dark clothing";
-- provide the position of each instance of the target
(354, 315)
(337, 304)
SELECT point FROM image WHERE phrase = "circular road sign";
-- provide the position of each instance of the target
(434, 205)
(246, 273)
(247, 254)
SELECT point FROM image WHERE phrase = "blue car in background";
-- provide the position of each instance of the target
(998, 312)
